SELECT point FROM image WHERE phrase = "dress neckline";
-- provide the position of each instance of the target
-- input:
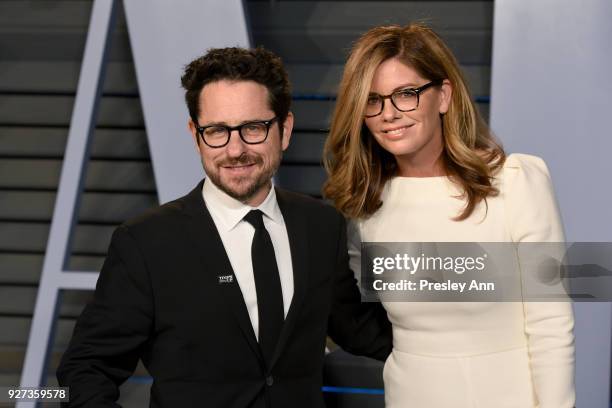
(412, 179)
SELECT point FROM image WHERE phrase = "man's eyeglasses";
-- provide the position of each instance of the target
(251, 132)
(404, 100)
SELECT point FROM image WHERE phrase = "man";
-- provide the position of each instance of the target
(227, 293)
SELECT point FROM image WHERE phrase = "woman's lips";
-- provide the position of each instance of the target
(396, 132)
(397, 129)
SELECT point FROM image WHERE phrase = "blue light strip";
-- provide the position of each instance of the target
(143, 379)
(354, 390)
(337, 390)
(314, 97)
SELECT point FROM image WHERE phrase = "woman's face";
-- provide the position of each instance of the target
(414, 138)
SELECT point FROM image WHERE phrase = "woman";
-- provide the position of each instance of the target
(410, 160)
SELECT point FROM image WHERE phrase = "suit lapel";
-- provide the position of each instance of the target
(215, 261)
(297, 230)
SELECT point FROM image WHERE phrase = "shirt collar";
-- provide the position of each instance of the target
(230, 211)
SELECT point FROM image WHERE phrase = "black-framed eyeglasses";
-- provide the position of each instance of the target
(254, 132)
(404, 100)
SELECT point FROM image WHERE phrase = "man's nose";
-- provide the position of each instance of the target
(235, 146)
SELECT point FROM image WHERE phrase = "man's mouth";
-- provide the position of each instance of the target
(239, 168)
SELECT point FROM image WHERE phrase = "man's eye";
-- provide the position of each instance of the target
(215, 131)
(254, 127)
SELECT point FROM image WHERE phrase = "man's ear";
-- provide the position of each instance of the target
(194, 135)
(446, 92)
(287, 128)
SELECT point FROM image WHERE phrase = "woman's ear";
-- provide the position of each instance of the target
(446, 92)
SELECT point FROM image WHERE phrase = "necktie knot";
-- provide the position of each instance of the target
(255, 218)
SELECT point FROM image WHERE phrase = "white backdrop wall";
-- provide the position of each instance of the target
(552, 96)
(165, 36)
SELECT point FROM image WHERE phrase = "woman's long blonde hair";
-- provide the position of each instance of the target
(358, 167)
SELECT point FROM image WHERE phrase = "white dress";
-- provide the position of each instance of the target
(476, 355)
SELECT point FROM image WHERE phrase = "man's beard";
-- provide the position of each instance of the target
(262, 180)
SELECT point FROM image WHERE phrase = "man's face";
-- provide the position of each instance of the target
(241, 170)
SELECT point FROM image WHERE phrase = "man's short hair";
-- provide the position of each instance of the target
(238, 64)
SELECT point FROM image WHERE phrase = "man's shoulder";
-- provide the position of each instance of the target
(160, 218)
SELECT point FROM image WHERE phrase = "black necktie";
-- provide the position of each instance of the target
(267, 285)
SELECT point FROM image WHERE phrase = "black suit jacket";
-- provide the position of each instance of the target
(159, 298)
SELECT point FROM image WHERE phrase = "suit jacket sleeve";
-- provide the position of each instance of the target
(534, 217)
(358, 327)
(112, 330)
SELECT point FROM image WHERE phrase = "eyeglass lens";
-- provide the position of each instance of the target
(255, 132)
(403, 100)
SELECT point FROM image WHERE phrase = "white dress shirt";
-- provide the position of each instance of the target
(237, 236)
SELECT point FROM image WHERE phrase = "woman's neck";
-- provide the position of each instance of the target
(427, 167)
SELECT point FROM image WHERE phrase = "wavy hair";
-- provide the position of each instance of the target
(358, 167)
(238, 64)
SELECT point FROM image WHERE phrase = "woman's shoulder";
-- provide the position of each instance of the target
(525, 171)
(531, 207)
(525, 162)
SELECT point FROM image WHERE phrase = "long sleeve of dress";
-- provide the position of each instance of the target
(533, 216)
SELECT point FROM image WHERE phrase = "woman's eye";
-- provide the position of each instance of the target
(405, 94)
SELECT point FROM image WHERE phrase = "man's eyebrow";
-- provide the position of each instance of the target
(228, 125)
(214, 124)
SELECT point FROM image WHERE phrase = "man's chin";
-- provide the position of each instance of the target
(242, 191)
(240, 195)
(241, 188)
